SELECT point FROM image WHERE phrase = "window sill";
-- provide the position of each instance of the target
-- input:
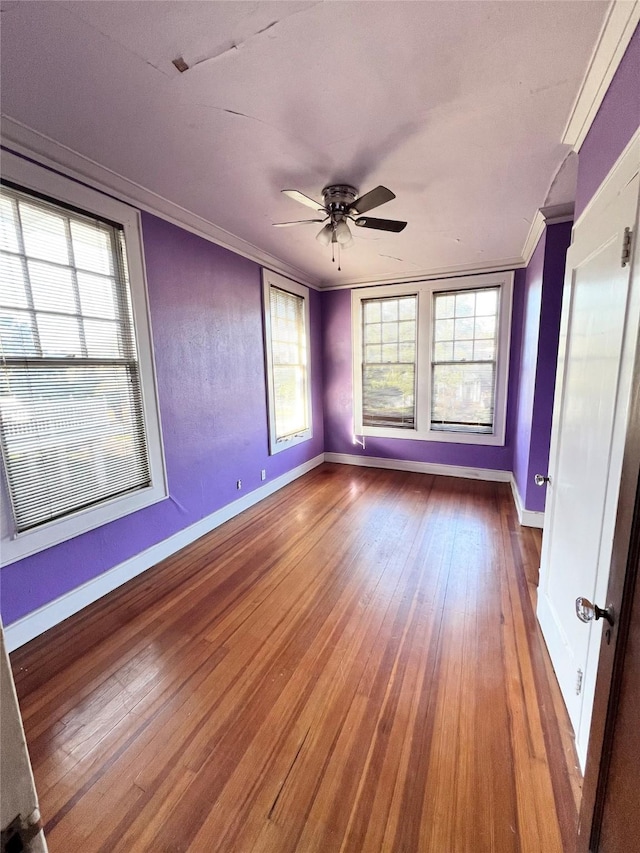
(61, 529)
(286, 443)
(488, 440)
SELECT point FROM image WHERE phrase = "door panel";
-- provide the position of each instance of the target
(597, 343)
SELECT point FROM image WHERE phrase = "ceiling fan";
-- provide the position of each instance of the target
(341, 203)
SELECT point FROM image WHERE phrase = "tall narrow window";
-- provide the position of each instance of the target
(389, 361)
(72, 425)
(465, 337)
(287, 343)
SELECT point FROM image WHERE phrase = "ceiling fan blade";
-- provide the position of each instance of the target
(381, 224)
(296, 222)
(303, 199)
(374, 198)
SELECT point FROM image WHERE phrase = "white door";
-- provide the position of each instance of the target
(598, 336)
(18, 803)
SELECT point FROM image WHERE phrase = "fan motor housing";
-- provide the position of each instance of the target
(338, 198)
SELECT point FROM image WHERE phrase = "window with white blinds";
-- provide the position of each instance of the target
(431, 359)
(287, 345)
(71, 412)
(463, 366)
(79, 422)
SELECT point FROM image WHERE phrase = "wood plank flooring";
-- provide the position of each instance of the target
(352, 665)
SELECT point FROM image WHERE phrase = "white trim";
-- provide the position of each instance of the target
(526, 517)
(497, 266)
(533, 237)
(489, 474)
(28, 142)
(622, 18)
(39, 621)
(32, 176)
(626, 166)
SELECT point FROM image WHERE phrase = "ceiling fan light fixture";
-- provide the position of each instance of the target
(343, 234)
(325, 234)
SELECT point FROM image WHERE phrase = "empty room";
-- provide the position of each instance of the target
(320, 426)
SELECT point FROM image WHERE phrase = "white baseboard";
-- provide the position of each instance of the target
(39, 621)
(420, 467)
(526, 517)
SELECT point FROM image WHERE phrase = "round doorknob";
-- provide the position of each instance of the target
(587, 612)
(540, 479)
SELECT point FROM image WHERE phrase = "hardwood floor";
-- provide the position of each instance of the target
(352, 665)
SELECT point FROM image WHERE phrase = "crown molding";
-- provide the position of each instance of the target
(535, 232)
(43, 149)
(619, 25)
(500, 265)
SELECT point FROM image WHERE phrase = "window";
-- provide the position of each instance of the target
(463, 365)
(389, 361)
(80, 446)
(286, 323)
(431, 359)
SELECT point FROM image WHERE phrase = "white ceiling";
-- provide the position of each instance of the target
(458, 107)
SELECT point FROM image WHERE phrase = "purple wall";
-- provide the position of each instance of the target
(338, 406)
(558, 240)
(532, 295)
(205, 305)
(614, 125)
(542, 286)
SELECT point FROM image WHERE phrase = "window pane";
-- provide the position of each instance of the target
(12, 289)
(462, 397)
(16, 334)
(52, 288)
(102, 339)
(59, 336)
(463, 350)
(445, 306)
(44, 234)
(372, 312)
(465, 304)
(464, 329)
(92, 248)
(407, 308)
(485, 327)
(8, 226)
(373, 333)
(487, 302)
(373, 354)
(443, 351)
(388, 371)
(444, 330)
(97, 296)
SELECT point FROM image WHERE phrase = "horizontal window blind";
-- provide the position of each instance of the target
(389, 361)
(465, 339)
(71, 411)
(289, 362)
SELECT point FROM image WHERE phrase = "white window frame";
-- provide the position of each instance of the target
(269, 280)
(424, 291)
(14, 546)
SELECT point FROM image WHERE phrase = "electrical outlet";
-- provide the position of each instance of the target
(263, 474)
(238, 484)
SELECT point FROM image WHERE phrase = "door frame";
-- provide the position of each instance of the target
(622, 579)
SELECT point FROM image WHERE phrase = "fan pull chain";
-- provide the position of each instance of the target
(339, 261)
